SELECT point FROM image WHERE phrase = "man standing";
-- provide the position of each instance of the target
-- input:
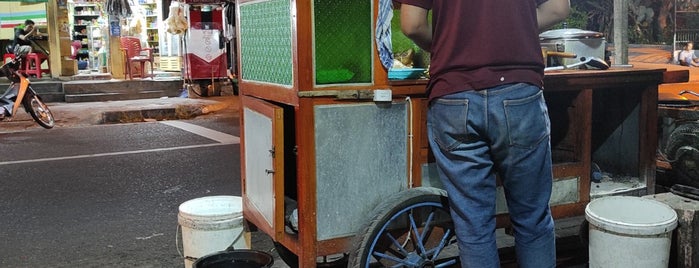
(487, 116)
(22, 45)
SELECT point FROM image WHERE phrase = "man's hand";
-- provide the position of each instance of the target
(27, 35)
(34, 32)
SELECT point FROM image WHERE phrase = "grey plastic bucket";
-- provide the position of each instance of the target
(243, 258)
(627, 231)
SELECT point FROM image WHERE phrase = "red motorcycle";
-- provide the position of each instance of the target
(21, 92)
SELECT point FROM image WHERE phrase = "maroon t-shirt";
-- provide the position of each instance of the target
(479, 44)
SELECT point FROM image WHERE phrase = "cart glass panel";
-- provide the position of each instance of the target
(265, 42)
(343, 41)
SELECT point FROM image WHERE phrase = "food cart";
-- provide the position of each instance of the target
(205, 60)
(334, 173)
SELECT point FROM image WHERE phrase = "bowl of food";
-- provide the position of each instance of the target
(405, 73)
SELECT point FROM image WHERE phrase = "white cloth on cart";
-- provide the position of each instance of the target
(383, 33)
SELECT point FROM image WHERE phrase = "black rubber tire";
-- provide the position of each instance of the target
(39, 111)
(683, 152)
(426, 210)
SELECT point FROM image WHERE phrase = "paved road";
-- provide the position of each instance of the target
(108, 196)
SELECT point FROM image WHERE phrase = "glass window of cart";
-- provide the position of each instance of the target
(343, 41)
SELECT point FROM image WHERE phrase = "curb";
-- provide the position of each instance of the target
(179, 112)
(142, 115)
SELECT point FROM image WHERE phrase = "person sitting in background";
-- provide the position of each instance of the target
(22, 45)
(687, 56)
(75, 49)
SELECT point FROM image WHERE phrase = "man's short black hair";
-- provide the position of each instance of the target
(28, 22)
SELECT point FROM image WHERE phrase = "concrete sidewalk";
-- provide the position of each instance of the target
(650, 54)
(661, 57)
(127, 111)
(658, 57)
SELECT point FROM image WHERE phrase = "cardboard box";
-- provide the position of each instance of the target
(65, 46)
(68, 67)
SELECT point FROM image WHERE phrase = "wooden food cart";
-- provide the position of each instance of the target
(333, 176)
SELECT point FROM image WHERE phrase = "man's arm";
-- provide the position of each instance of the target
(551, 12)
(24, 36)
(414, 24)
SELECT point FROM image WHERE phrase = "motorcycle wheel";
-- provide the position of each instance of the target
(39, 111)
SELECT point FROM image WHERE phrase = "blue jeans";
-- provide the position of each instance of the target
(504, 130)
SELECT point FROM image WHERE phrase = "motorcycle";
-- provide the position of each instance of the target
(19, 93)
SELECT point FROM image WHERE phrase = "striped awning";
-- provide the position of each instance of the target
(16, 16)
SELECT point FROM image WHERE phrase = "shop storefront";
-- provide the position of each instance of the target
(13, 15)
(83, 38)
(192, 39)
(96, 37)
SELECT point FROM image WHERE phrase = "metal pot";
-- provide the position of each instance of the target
(582, 43)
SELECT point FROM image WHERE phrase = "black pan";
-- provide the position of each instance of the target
(675, 100)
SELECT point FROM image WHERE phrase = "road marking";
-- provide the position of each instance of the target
(204, 132)
(220, 137)
(109, 154)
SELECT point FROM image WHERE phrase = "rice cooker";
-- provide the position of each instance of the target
(582, 43)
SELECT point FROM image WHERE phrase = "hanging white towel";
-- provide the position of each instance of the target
(383, 33)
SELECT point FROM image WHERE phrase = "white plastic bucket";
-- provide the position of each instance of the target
(628, 231)
(210, 224)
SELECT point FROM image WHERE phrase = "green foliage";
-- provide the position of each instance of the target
(577, 19)
(598, 16)
(597, 13)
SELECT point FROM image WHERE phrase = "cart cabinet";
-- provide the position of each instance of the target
(329, 174)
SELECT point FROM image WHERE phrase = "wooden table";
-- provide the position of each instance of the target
(608, 117)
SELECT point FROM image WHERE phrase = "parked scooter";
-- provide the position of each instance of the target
(19, 93)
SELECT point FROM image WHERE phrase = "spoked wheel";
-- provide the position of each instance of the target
(411, 229)
(334, 261)
(39, 111)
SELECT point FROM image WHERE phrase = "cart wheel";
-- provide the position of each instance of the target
(339, 260)
(411, 229)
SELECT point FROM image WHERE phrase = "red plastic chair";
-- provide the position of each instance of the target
(7, 57)
(33, 64)
(134, 53)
